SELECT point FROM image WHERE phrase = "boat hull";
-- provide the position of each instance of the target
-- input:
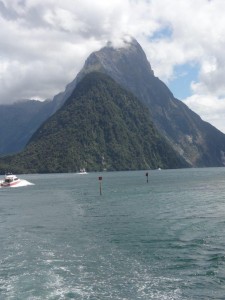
(4, 184)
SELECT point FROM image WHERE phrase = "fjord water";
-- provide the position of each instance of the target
(165, 239)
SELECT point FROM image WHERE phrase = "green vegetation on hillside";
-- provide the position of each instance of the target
(101, 126)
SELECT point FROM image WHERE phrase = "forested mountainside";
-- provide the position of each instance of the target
(101, 126)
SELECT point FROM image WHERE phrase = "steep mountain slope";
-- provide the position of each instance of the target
(19, 121)
(100, 126)
(197, 141)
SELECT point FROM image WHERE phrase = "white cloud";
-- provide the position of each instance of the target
(44, 43)
(210, 108)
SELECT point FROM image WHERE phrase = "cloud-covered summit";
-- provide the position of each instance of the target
(44, 44)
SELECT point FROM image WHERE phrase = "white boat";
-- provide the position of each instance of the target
(82, 171)
(10, 180)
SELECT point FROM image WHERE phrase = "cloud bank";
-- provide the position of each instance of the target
(45, 43)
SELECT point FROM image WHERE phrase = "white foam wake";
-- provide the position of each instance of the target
(23, 182)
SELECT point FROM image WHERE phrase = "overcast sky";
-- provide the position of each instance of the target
(45, 43)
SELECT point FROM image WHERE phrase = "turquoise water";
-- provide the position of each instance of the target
(165, 239)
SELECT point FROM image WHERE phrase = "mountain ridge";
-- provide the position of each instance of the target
(197, 141)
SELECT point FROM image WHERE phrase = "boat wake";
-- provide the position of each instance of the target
(22, 182)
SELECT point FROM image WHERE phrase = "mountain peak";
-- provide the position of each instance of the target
(128, 54)
(116, 60)
(118, 56)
